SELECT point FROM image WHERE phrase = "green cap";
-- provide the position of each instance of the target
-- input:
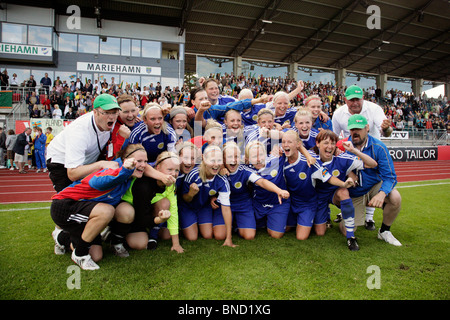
(353, 92)
(106, 102)
(356, 121)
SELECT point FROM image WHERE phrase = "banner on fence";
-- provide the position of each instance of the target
(413, 153)
(398, 135)
(57, 125)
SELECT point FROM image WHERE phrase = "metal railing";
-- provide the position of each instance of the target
(419, 137)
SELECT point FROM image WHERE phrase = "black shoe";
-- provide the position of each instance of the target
(369, 225)
(352, 244)
(152, 244)
(329, 224)
(338, 218)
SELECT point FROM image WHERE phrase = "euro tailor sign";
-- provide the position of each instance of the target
(24, 49)
(413, 153)
(118, 68)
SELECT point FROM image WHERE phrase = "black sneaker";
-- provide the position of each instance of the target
(369, 225)
(329, 224)
(352, 244)
(338, 218)
(152, 244)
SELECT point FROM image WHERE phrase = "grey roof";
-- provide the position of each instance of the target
(413, 39)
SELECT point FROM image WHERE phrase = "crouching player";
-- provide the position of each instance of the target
(339, 166)
(301, 179)
(85, 208)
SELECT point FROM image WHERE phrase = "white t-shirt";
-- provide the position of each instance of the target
(373, 113)
(78, 144)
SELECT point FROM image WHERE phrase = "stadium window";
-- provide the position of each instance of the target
(170, 51)
(65, 76)
(88, 44)
(110, 45)
(14, 33)
(67, 42)
(151, 49)
(125, 47)
(22, 75)
(181, 54)
(41, 36)
(135, 48)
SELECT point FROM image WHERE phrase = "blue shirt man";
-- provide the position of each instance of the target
(376, 187)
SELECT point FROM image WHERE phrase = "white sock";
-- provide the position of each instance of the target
(369, 213)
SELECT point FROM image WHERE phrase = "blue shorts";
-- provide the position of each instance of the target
(188, 216)
(274, 216)
(244, 216)
(304, 214)
(323, 206)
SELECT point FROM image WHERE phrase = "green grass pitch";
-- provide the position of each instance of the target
(262, 269)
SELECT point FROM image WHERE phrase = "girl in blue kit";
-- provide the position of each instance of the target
(153, 133)
(269, 211)
(303, 121)
(265, 131)
(300, 180)
(195, 211)
(239, 178)
(339, 166)
(284, 114)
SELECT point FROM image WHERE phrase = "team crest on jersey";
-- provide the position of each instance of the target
(287, 122)
(273, 173)
(302, 176)
(161, 145)
(212, 192)
(255, 118)
(335, 173)
(238, 185)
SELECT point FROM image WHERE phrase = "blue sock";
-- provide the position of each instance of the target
(153, 234)
(348, 214)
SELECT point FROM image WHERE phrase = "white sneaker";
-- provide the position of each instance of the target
(85, 262)
(2, 167)
(389, 238)
(45, 170)
(59, 249)
(12, 168)
(38, 170)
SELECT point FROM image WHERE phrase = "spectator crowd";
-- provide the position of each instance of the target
(63, 100)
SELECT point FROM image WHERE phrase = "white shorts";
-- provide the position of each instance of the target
(21, 158)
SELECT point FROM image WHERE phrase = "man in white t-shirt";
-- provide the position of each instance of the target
(74, 153)
(379, 126)
(355, 104)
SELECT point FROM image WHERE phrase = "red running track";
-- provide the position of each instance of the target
(37, 187)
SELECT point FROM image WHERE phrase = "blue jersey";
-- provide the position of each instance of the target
(254, 133)
(339, 166)
(384, 171)
(239, 186)
(287, 118)
(217, 186)
(324, 125)
(154, 144)
(250, 116)
(106, 185)
(310, 141)
(273, 171)
(301, 179)
(217, 111)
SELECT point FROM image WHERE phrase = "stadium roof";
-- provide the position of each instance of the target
(413, 41)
